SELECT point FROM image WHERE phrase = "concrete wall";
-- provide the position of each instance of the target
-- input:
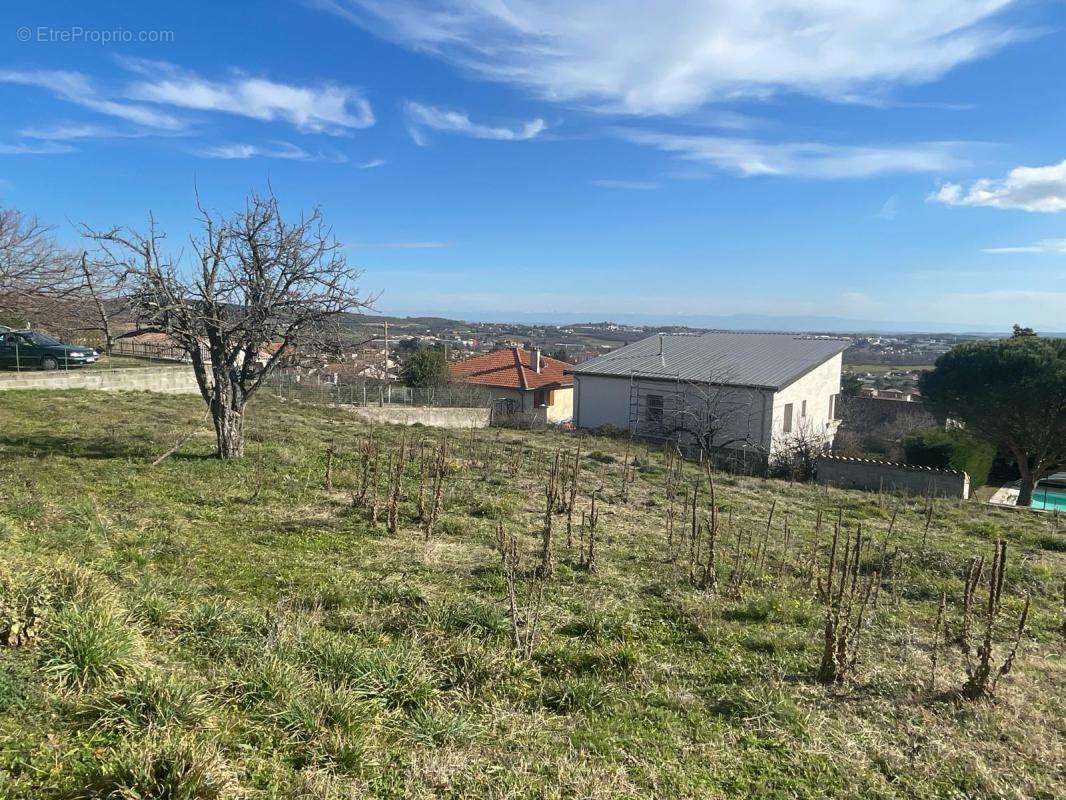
(816, 388)
(562, 407)
(600, 401)
(432, 417)
(744, 413)
(165, 380)
(860, 473)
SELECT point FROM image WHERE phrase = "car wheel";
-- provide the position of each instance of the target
(48, 363)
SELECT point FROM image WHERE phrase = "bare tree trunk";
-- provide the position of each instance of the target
(227, 413)
(229, 430)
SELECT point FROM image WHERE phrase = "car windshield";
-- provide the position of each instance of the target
(41, 340)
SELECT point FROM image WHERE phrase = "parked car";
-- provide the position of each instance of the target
(29, 349)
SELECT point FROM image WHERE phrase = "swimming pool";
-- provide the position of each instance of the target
(1049, 498)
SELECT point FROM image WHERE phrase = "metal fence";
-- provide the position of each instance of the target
(290, 385)
(152, 352)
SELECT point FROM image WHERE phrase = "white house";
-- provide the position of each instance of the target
(741, 396)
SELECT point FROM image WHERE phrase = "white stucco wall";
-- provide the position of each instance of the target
(601, 401)
(562, 407)
(817, 388)
(744, 412)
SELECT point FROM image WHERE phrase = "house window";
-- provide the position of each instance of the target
(803, 410)
(540, 398)
(832, 406)
(787, 426)
(653, 413)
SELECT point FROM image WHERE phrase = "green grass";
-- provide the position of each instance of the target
(229, 630)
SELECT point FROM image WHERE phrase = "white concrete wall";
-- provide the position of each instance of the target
(601, 401)
(433, 417)
(744, 413)
(816, 387)
(163, 380)
(562, 407)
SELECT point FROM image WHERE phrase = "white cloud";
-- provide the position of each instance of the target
(284, 150)
(1056, 246)
(36, 148)
(77, 88)
(1025, 188)
(889, 209)
(607, 183)
(750, 158)
(673, 56)
(371, 164)
(325, 108)
(440, 119)
(69, 131)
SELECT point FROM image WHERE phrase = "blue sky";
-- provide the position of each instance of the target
(898, 161)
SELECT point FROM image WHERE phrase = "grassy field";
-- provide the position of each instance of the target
(201, 629)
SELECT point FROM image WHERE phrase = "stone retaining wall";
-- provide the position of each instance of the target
(861, 473)
(165, 380)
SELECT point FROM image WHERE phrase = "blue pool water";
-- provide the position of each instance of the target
(1049, 499)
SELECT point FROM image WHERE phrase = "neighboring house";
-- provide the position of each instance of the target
(520, 381)
(742, 397)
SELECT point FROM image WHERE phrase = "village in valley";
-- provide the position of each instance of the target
(532, 401)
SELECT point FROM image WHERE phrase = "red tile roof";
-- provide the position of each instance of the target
(512, 369)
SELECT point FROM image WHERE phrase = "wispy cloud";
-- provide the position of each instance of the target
(439, 119)
(77, 88)
(72, 131)
(35, 148)
(751, 158)
(889, 209)
(1040, 189)
(608, 183)
(675, 56)
(1056, 246)
(283, 150)
(323, 108)
(371, 164)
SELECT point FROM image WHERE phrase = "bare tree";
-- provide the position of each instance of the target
(711, 416)
(36, 274)
(260, 289)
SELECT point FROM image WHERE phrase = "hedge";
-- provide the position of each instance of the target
(953, 448)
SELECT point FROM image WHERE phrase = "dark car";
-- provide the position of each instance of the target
(29, 349)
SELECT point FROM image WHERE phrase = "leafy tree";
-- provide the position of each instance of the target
(1011, 392)
(951, 448)
(561, 355)
(1019, 331)
(850, 385)
(425, 368)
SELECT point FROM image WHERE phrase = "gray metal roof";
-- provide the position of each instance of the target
(765, 360)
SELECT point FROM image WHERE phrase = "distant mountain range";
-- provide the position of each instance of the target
(758, 322)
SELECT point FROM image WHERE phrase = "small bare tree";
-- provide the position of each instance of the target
(36, 274)
(261, 288)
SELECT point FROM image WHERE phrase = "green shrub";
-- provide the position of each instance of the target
(147, 702)
(954, 448)
(87, 645)
(176, 769)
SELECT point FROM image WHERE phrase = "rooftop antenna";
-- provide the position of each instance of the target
(662, 358)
